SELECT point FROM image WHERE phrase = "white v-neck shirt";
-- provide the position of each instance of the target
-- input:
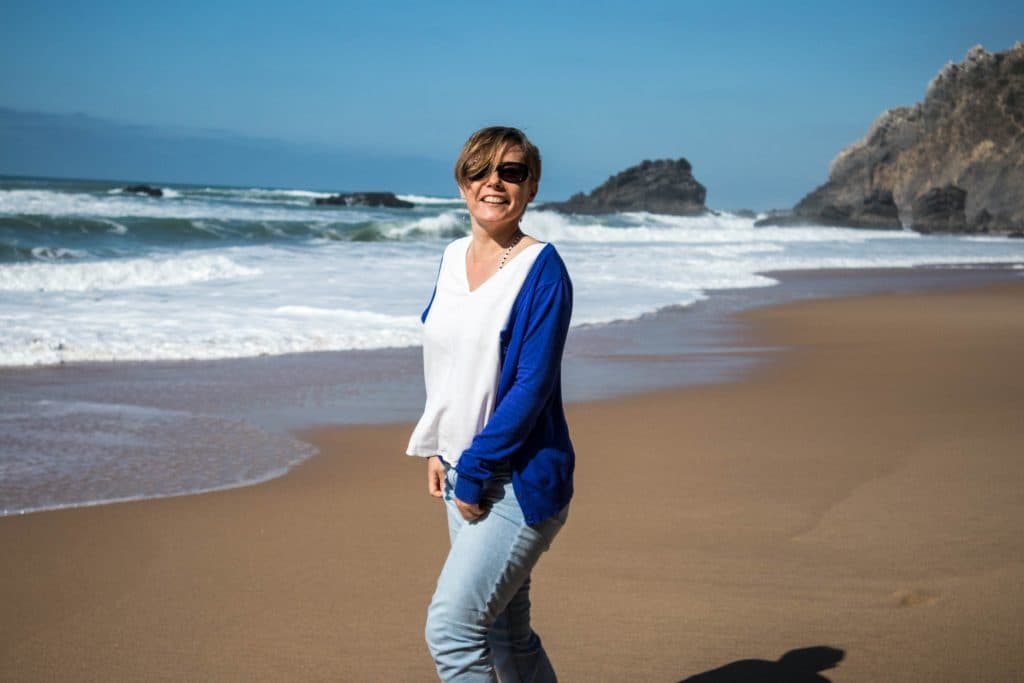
(462, 351)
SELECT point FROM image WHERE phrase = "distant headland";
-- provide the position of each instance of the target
(953, 163)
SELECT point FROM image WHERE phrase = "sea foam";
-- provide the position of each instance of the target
(233, 272)
(431, 201)
(120, 274)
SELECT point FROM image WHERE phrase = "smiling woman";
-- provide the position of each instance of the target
(498, 174)
(493, 429)
(497, 196)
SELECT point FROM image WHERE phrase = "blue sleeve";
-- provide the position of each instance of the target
(540, 363)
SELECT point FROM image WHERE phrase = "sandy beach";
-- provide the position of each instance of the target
(854, 501)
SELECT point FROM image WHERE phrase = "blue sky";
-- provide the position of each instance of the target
(758, 96)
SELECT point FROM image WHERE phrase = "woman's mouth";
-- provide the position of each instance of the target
(491, 199)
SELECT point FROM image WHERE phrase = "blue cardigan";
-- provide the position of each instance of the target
(527, 431)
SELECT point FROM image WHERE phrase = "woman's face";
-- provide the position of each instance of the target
(495, 203)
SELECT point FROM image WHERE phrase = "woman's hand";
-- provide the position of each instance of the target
(435, 476)
(470, 511)
(435, 487)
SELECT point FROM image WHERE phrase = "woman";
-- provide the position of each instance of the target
(493, 429)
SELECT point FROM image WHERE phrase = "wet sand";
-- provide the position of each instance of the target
(860, 495)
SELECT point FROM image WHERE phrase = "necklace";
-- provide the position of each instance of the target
(515, 240)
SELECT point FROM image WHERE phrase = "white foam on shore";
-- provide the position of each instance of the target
(120, 274)
(431, 201)
(319, 294)
(226, 303)
(710, 228)
(253, 301)
(188, 333)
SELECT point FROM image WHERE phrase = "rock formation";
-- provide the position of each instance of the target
(662, 186)
(143, 189)
(952, 163)
(387, 199)
(942, 209)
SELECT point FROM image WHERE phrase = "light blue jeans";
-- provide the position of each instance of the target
(478, 622)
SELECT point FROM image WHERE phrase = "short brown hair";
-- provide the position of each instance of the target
(483, 145)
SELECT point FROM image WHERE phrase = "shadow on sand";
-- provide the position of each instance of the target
(796, 666)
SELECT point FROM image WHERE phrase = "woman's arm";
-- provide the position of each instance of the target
(538, 370)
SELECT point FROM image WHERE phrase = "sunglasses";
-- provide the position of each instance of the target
(513, 172)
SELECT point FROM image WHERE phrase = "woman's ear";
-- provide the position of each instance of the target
(533, 192)
(462, 192)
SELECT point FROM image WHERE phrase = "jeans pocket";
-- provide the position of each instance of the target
(449, 482)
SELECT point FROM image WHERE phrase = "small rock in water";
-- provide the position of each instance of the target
(144, 189)
(386, 199)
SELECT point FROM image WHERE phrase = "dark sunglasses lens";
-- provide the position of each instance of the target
(513, 172)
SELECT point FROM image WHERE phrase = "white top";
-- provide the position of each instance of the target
(461, 351)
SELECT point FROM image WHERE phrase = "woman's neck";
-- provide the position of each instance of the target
(489, 243)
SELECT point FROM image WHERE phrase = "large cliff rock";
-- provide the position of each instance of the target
(662, 186)
(952, 163)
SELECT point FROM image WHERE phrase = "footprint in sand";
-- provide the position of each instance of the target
(914, 598)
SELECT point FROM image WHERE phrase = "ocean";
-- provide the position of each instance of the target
(89, 273)
(98, 283)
